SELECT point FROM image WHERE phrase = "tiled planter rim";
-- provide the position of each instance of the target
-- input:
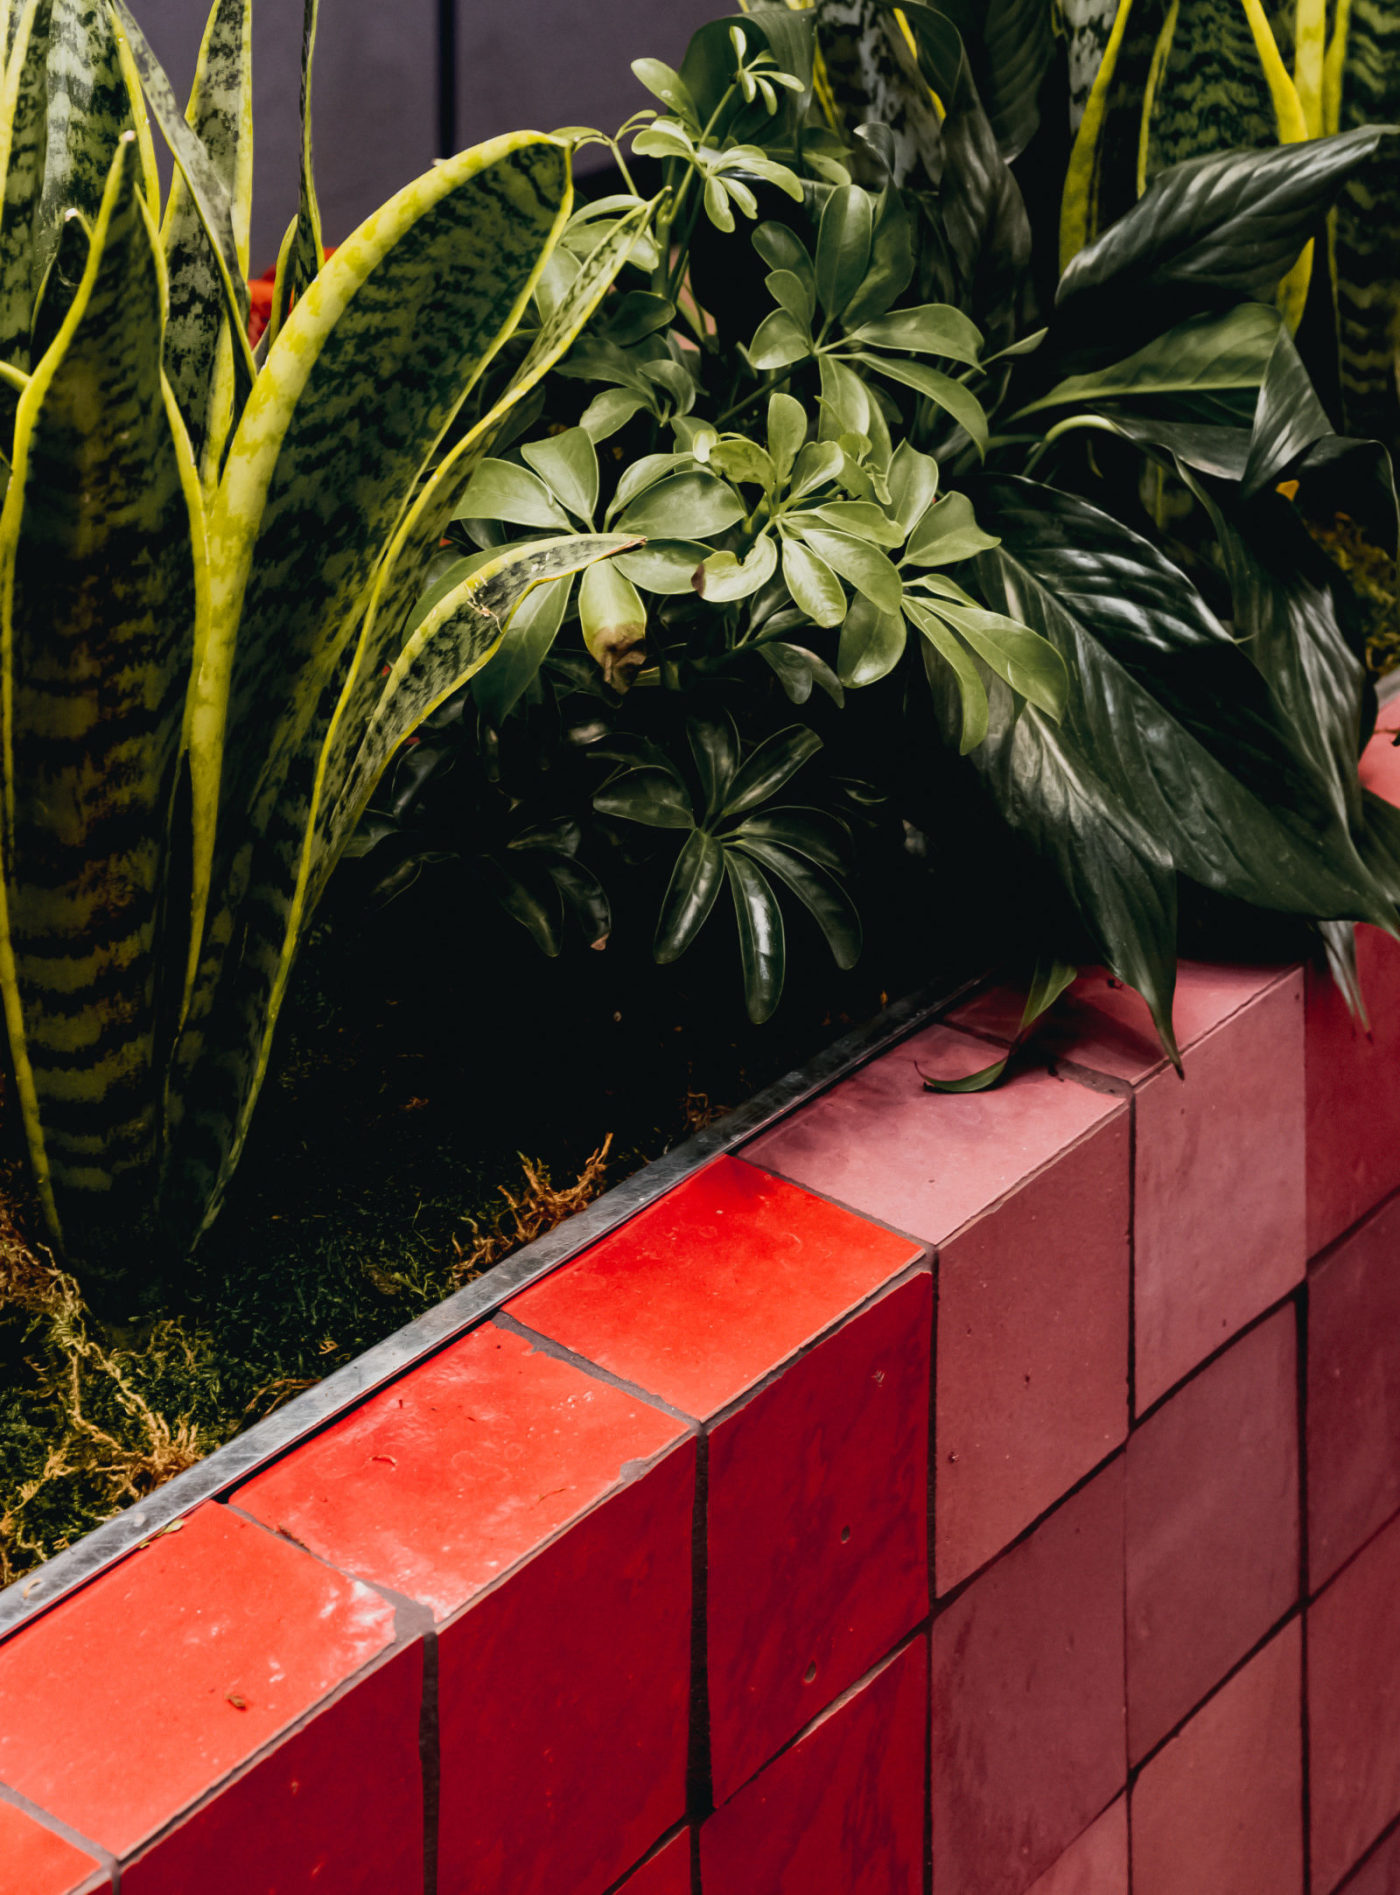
(234, 1463)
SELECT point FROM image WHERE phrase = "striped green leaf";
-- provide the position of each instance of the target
(299, 260)
(1364, 70)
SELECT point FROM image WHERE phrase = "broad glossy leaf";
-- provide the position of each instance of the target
(872, 644)
(861, 518)
(820, 894)
(845, 401)
(1208, 352)
(651, 796)
(787, 431)
(683, 506)
(798, 669)
(714, 744)
(727, 578)
(913, 485)
(783, 249)
(794, 296)
(931, 329)
(568, 465)
(636, 315)
(614, 623)
(953, 397)
(609, 411)
(814, 833)
(765, 771)
(814, 586)
(891, 259)
(690, 895)
(818, 463)
(779, 340)
(943, 644)
(843, 247)
(500, 490)
(667, 567)
(1048, 982)
(947, 533)
(501, 683)
(869, 570)
(762, 949)
(666, 84)
(1028, 662)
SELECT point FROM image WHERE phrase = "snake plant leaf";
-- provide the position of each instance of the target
(1206, 234)
(299, 259)
(820, 894)
(762, 943)
(871, 76)
(101, 557)
(23, 139)
(690, 895)
(62, 281)
(199, 350)
(1161, 697)
(1365, 90)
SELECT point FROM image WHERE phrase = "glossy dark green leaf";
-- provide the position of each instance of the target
(500, 490)
(953, 397)
(931, 329)
(872, 644)
(778, 341)
(762, 949)
(793, 295)
(714, 743)
(948, 533)
(891, 261)
(568, 465)
(1048, 982)
(783, 249)
(814, 833)
(820, 894)
(690, 895)
(843, 247)
(585, 897)
(649, 795)
(1208, 352)
(913, 485)
(763, 774)
(798, 669)
(814, 586)
(869, 570)
(636, 314)
(942, 646)
(684, 506)
(529, 896)
(498, 687)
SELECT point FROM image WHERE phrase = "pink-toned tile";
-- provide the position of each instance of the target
(665, 1873)
(195, 1652)
(1212, 1527)
(1353, 1393)
(1220, 1807)
(460, 1469)
(564, 1700)
(841, 1812)
(1219, 1193)
(701, 1296)
(337, 1806)
(1028, 1699)
(1379, 1874)
(1354, 1708)
(1095, 1863)
(34, 1861)
(818, 1530)
(1032, 1368)
(928, 1162)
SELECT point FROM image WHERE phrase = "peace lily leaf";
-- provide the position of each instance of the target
(1208, 352)
(843, 247)
(913, 486)
(931, 329)
(872, 644)
(949, 395)
(498, 687)
(778, 341)
(690, 896)
(948, 532)
(944, 641)
(667, 567)
(762, 949)
(499, 490)
(787, 431)
(651, 796)
(1048, 982)
(568, 465)
(820, 894)
(865, 566)
(814, 586)
(685, 505)
(727, 578)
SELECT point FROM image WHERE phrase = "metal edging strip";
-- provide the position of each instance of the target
(306, 1414)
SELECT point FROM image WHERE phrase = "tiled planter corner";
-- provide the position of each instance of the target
(912, 1502)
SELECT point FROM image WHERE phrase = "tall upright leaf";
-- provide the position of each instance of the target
(1365, 59)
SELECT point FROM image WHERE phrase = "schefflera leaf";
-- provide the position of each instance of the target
(101, 560)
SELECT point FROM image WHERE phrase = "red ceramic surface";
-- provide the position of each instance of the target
(840, 1813)
(462, 1468)
(34, 1861)
(1354, 1708)
(1032, 1377)
(1212, 1527)
(928, 1162)
(1095, 1863)
(337, 1809)
(665, 1873)
(1220, 1807)
(1353, 1075)
(1028, 1717)
(564, 1699)
(705, 1293)
(1100, 1024)
(818, 1530)
(1353, 1393)
(1379, 1874)
(1219, 1197)
(128, 1702)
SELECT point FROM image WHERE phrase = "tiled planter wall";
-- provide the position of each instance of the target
(984, 1495)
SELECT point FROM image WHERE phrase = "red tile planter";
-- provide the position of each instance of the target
(947, 1495)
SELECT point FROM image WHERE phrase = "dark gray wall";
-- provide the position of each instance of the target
(530, 64)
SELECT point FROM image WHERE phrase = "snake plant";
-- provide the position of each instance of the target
(210, 573)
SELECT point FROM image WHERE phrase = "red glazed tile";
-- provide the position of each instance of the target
(1096, 1863)
(818, 1530)
(665, 1873)
(1032, 1363)
(1379, 1874)
(34, 1861)
(1212, 1527)
(1353, 1393)
(1028, 1713)
(842, 1811)
(465, 1466)
(1220, 1807)
(337, 1806)
(117, 1708)
(701, 1296)
(564, 1700)
(928, 1162)
(1219, 1199)
(1354, 1708)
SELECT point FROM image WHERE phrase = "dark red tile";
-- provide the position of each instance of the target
(1095, 1863)
(468, 1464)
(818, 1530)
(1353, 1393)
(34, 1861)
(665, 1873)
(1028, 1699)
(704, 1294)
(117, 1709)
(842, 1811)
(1032, 1376)
(337, 1806)
(928, 1162)
(564, 1700)
(1354, 1708)
(1379, 1874)
(1212, 1527)
(1220, 1807)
